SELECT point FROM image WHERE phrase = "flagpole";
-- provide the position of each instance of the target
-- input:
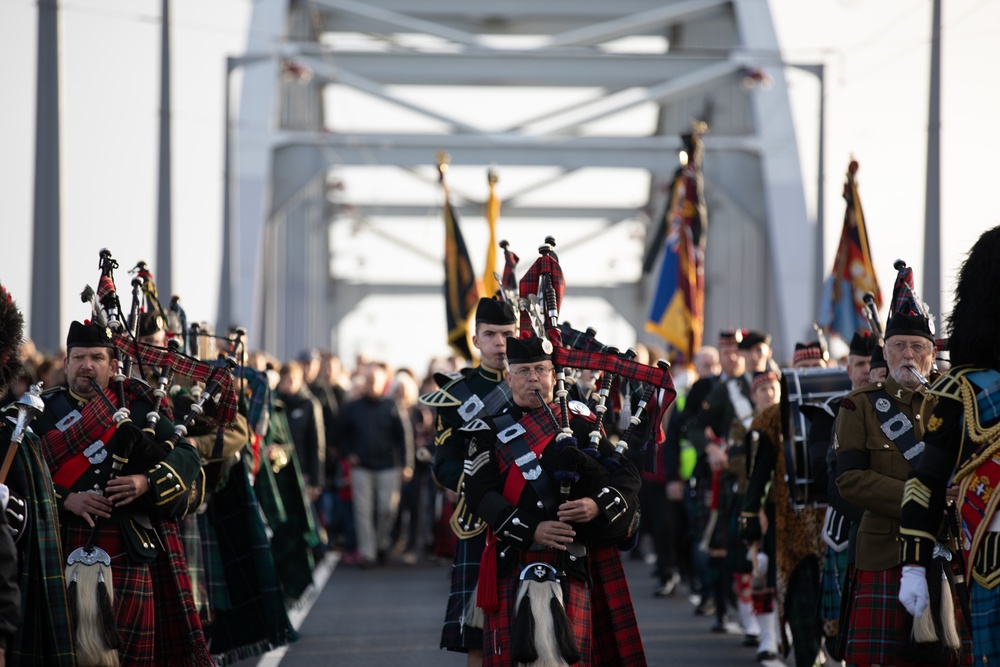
(932, 203)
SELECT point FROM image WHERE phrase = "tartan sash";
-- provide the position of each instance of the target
(896, 426)
(524, 441)
(71, 440)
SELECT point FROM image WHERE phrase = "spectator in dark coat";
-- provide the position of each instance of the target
(377, 439)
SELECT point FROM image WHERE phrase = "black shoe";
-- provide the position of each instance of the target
(705, 608)
(719, 625)
(766, 655)
(751, 640)
(666, 589)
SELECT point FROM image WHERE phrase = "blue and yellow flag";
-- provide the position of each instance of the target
(677, 313)
(461, 293)
(842, 306)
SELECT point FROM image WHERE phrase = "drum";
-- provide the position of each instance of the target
(806, 396)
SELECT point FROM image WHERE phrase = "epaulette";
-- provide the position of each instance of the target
(446, 378)
(474, 426)
(55, 390)
(848, 403)
(441, 398)
(950, 384)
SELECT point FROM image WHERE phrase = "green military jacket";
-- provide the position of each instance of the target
(873, 470)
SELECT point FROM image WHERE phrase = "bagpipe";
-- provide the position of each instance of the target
(540, 631)
(136, 449)
(540, 294)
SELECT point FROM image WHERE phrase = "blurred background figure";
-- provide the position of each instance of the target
(377, 439)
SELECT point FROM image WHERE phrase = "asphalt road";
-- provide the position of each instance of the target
(391, 616)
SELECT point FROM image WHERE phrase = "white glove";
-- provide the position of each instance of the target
(913, 589)
(4, 497)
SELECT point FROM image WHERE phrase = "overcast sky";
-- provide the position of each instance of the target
(876, 55)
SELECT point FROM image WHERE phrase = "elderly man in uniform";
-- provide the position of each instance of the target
(463, 396)
(129, 516)
(562, 543)
(878, 441)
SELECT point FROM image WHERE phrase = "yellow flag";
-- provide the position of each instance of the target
(490, 284)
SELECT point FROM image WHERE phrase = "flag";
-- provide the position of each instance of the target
(460, 290)
(677, 313)
(853, 274)
(490, 284)
(508, 281)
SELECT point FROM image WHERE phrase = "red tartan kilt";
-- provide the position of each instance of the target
(877, 620)
(576, 600)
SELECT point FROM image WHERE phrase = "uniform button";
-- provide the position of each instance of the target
(157, 466)
(170, 475)
(177, 487)
(506, 533)
(885, 446)
(918, 416)
(541, 505)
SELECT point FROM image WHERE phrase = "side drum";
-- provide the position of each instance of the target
(806, 395)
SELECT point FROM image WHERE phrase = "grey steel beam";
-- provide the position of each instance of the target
(509, 68)
(519, 17)
(412, 150)
(369, 210)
